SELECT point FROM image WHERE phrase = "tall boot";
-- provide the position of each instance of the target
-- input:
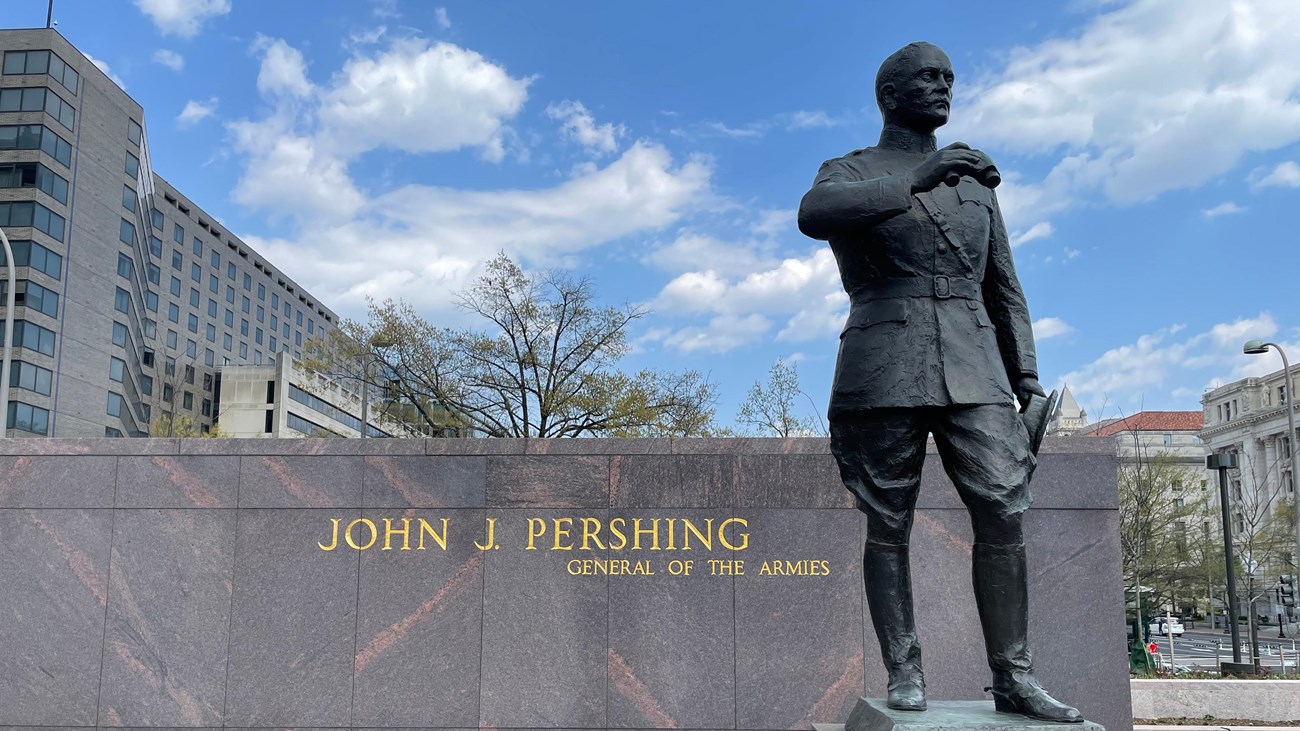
(889, 595)
(1002, 596)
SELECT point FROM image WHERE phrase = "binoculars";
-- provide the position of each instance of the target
(989, 177)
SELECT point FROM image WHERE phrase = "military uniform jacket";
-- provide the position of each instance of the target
(938, 317)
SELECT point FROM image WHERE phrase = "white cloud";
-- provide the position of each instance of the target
(811, 120)
(578, 125)
(424, 242)
(420, 98)
(1050, 327)
(1286, 174)
(385, 9)
(1158, 360)
(1040, 230)
(1122, 104)
(692, 251)
(170, 59)
(182, 17)
(1226, 208)
(283, 70)
(440, 15)
(103, 66)
(804, 293)
(721, 334)
(195, 111)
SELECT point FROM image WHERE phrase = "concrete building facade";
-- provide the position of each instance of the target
(131, 297)
(283, 400)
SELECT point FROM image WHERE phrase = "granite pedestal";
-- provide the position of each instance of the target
(871, 714)
(185, 583)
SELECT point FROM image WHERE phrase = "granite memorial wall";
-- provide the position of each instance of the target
(468, 584)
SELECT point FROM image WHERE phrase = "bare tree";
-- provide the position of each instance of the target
(774, 407)
(545, 366)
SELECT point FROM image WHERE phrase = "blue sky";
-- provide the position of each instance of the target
(1149, 151)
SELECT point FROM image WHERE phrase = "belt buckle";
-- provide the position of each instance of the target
(942, 287)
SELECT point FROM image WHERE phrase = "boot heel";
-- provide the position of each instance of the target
(1001, 704)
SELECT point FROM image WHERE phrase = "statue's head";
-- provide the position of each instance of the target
(914, 87)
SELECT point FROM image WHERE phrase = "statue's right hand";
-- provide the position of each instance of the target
(957, 158)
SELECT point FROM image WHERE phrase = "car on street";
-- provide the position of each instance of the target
(1166, 626)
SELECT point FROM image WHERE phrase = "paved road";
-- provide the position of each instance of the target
(1205, 649)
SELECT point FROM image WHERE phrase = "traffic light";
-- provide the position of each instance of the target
(1287, 589)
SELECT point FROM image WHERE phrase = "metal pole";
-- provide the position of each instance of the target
(1229, 560)
(49, 15)
(365, 396)
(1290, 421)
(9, 336)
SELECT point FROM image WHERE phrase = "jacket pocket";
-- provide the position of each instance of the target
(969, 191)
(876, 312)
(981, 314)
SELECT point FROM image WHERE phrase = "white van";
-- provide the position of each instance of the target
(1175, 628)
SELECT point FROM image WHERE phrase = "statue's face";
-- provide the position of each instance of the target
(921, 92)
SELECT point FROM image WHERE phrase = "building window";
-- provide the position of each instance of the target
(128, 198)
(32, 295)
(31, 377)
(122, 300)
(187, 400)
(261, 314)
(189, 374)
(230, 270)
(36, 137)
(1281, 395)
(174, 287)
(132, 169)
(197, 247)
(214, 259)
(213, 286)
(115, 403)
(248, 283)
(196, 273)
(227, 342)
(178, 261)
(32, 254)
(34, 175)
(112, 433)
(28, 418)
(41, 62)
(206, 410)
(119, 334)
(230, 318)
(31, 336)
(133, 131)
(244, 305)
(125, 267)
(30, 213)
(257, 338)
(194, 297)
(193, 323)
(209, 357)
(155, 217)
(261, 292)
(212, 333)
(178, 233)
(168, 393)
(36, 99)
(275, 302)
(230, 295)
(116, 369)
(172, 335)
(191, 348)
(151, 301)
(155, 246)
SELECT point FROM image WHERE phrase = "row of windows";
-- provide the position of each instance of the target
(31, 377)
(32, 295)
(30, 213)
(299, 424)
(315, 403)
(41, 62)
(28, 418)
(178, 235)
(34, 175)
(35, 99)
(36, 137)
(32, 254)
(31, 336)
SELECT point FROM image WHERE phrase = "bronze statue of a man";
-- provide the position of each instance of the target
(938, 341)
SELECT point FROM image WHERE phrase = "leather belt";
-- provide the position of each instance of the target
(939, 287)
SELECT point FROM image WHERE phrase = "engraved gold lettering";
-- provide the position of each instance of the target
(405, 532)
(536, 529)
(744, 537)
(374, 533)
(441, 540)
(335, 543)
(490, 541)
(706, 537)
(638, 531)
(726, 567)
(588, 534)
(562, 533)
(671, 545)
(613, 528)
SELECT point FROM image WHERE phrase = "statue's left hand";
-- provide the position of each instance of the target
(1026, 387)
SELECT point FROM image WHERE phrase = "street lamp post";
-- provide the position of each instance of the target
(366, 361)
(1223, 463)
(6, 363)
(1257, 347)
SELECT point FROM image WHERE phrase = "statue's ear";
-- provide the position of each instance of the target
(887, 100)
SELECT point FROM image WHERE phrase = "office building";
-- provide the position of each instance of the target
(130, 296)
